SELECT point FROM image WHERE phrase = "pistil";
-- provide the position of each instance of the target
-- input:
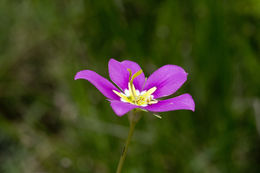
(133, 96)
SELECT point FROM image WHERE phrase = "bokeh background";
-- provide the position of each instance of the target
(50, 123)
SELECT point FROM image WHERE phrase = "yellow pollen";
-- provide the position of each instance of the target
(133, 96)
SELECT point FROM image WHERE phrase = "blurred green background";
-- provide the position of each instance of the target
(50, 123)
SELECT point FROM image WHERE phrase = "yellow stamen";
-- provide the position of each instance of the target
(132, 91)
(121, 96)
(153, 102)
(149, 92)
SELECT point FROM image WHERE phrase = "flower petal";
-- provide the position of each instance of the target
(183, 101)
(118, 74)
(101, 83)
(139, 80)
(121, 108)
(167, 79)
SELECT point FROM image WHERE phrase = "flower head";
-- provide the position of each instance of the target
(135, 91)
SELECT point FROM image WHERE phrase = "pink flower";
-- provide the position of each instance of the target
(134, 91)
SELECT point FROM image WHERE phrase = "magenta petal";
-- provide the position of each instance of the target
(118, 74)
(139, 80)
(121, 108)
(168, 79)
(101, 83)
(183, 101)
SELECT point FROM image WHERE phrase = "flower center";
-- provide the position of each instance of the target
(133, 96)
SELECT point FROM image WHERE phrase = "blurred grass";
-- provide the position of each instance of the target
(51, 123)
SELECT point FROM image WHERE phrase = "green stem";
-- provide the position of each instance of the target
(133, 120)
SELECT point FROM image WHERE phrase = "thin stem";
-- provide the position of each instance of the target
(133, 122)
